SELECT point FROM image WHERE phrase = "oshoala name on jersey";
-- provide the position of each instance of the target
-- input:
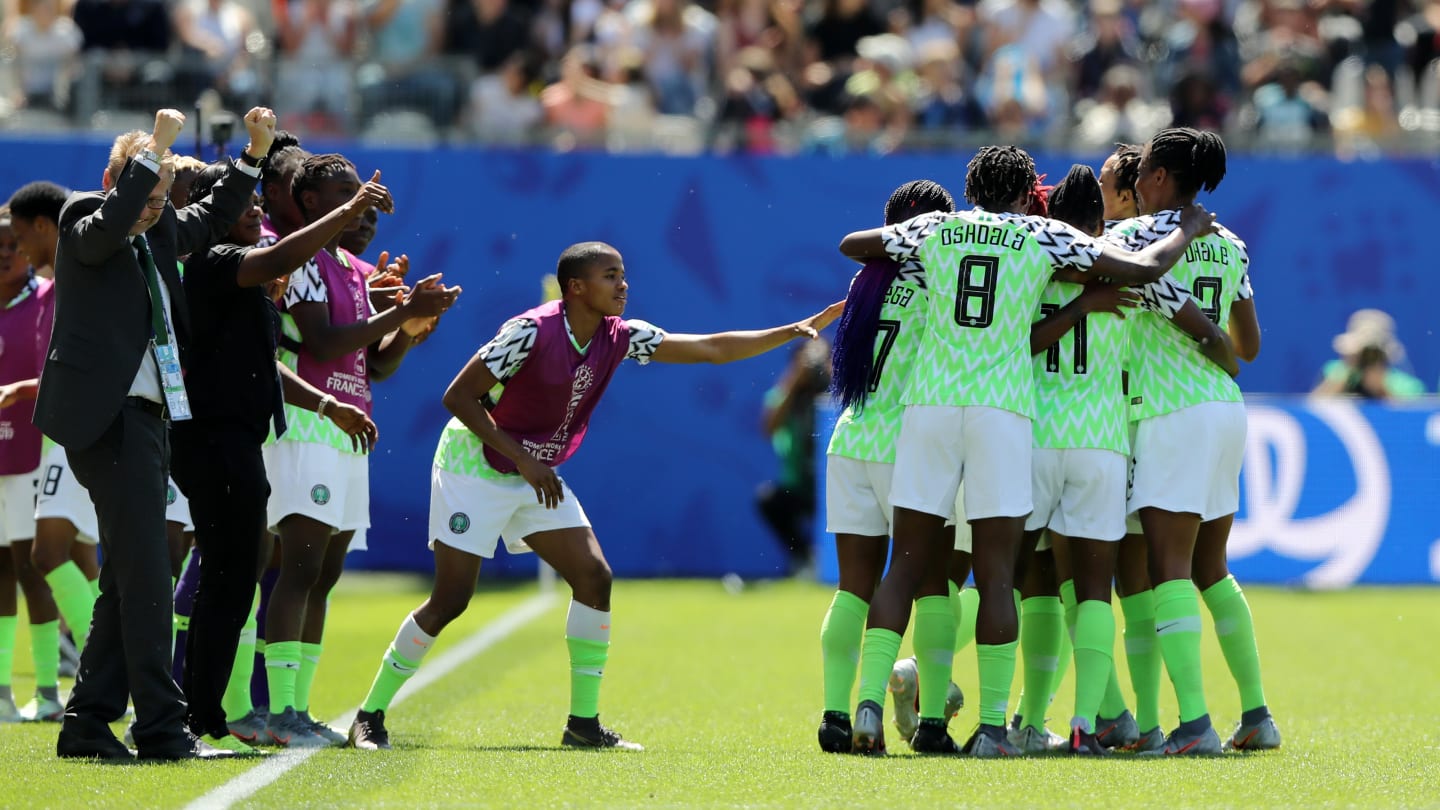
(971, 233)
(1206, 251)
(899, 295)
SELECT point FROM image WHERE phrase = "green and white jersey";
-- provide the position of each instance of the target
(461, 452)
(1079, 401)
(984, 273)
(1167, 370)
(870, 434)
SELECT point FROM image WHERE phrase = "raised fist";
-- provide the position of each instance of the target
(168, 124)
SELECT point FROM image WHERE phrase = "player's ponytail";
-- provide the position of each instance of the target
(852, 358)
(1077, 201)
(1209, 160)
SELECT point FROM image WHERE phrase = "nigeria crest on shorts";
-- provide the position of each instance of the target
(320, 494)
(459, 523)
(169, 494)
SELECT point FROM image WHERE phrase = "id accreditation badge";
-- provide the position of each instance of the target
(171, 381)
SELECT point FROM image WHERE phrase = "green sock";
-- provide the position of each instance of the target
(1236, 630)
(401, 661)
(934, 644)
(94, 585)
(282, 668)
(969, 607)
(877, 659)
(1142, 657)
(236, 700)
(7, 649)
(1042, 623)
(45, 645)
(305, 678)
(74, 597)
(587, 666)
(1067, 639)
(840, 634)
(997, 671)
(1094, 656)
(1177, 626)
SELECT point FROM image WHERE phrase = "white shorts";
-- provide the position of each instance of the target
(1189, 460)
(857, 497)
(321, 483)
(939, 446)
(1079, 493)
(1132, 519)
(62, 497)
(473, 514)
(964, 536)
(17, 507)
(177, 506)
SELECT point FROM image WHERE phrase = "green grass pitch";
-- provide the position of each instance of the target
(724, 691)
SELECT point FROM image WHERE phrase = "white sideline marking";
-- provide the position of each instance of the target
(275, 766)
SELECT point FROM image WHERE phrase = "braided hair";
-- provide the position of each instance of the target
(997, 176)
(852, 358)
(315, 170)
(1077, 201)
(1195, 157)
(1127, 166)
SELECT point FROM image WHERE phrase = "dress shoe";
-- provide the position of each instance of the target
(70, 745)
(188, 747)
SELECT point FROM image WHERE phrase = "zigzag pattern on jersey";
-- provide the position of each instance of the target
(1096, 422)
(507, 351)
(1164, 297)
(462, 453)
(1081, 407)
(871, 434)
(1167, 370)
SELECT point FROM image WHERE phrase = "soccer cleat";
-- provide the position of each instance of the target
(990, 742)
(327, 733)
(869, 731)
(69, 657)
(1151, 741)
(368, 732)
(835, 733)
(230, 743)
(8, 712)
(287, 730)
(250, 728)
(1083, 743)
(905, 697)
(1117, 732)
(1189, 744)
(1032, 740)
(1261, 736)
(932, 738)
(586, 732)
(43, 710)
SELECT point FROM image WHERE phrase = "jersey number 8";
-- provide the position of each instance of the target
(975, 300)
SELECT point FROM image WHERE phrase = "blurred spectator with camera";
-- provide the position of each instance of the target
(1369, 354)
(787, 503)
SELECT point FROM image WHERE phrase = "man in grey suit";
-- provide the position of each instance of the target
(110, 384)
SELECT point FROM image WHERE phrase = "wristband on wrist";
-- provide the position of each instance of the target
(325, 402)
(251, 161)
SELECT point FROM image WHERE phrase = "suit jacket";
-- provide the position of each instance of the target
(102, 324)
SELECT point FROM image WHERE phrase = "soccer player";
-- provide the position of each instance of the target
(25, 329)
(494, 473)
(969, 404)
(320, 495)
(874, 350)
(1189, 444)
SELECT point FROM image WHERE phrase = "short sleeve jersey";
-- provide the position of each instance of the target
(870, 433)
(984, 273)
(1168, 372)
(1078, 395)
(460, 451)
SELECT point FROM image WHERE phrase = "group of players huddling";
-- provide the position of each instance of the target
(1075, 371)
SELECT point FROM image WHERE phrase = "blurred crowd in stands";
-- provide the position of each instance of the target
(1356, 77)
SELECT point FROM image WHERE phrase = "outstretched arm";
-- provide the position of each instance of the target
(862, 246)
(727, 347)
(463, 400)
(1145, 266)
(11, 393)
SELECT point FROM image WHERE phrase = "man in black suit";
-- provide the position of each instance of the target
(110, 384)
